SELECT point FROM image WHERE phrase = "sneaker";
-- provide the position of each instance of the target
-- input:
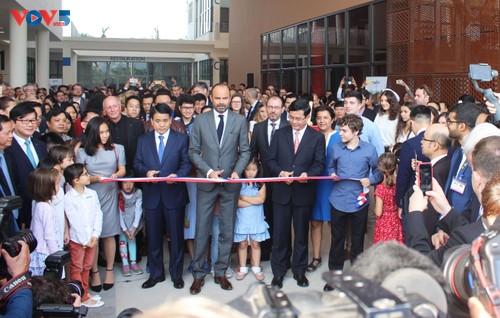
(93, 303)
(191, 266)
(257, 271)
(126, 271)
(136, 269)
(242, 273)
(229, 272)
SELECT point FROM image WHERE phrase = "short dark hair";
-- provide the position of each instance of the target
(132, 97)
(338, 103)
(354, 93)
(323, 108)
(60, 152)
(42, 184)
(22, 110)
(3, 119)
(300, 104)
(354, 122)
(426, 89)
(185, 99)
(148, 96)
(291, 95)
(54, 112)
(161, 108)
(467, 113)
(4, 102)
(202, 85)
(199, 97)
(73, 172)
(162, 92)
(89, 110)
(420, 112)
(52, 139)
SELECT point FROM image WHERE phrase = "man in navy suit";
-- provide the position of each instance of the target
(25, 154)
(458, 189)
(164, 153)
(299, 151)
(420, 118)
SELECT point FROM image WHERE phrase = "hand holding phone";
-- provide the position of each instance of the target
(424, 176)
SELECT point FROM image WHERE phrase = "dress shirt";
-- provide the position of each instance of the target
(270, 128)
(217, 120)
(21, 141)
(360, 162)
(433, 161)
(84, 215)
(165, 138)
(301, 134)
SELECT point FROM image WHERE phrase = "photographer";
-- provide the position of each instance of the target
(16, 296)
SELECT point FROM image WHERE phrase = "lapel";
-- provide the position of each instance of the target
(228, 128)
(212, 125)
(19, 151)
(152, 148)
(303, 141)
(168, 147)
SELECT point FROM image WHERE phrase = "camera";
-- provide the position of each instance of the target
(62, 310)
(474, 270)
(54, 264)
(348, 80)
(13, 247)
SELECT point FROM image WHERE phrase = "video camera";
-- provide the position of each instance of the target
(482, 72)
(474, 270)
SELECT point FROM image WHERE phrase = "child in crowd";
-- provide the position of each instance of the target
(388, 224)
(130, 202)
(84, 215)
(250, 224)
(64, 156)
(42, 187)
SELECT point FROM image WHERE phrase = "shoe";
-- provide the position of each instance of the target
(126, 272)
(191, 266)
(96, 288)
(96, 297)
(311, 267)
(242, 273)
(229, 272)
(277, 282)
(223, 282)
(328, 288)
(257, 272)
(206, 267)
(178, 283)
(196, 286)
(93, 303)
(151, 282)
(107, 286)
(301, 280)
(136, 269)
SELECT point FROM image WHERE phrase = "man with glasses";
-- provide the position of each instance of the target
(263, 133)
(458, 188)
(29, 91)
(435, 145)
(25, 153)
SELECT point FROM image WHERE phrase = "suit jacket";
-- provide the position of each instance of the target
(259, 145)
(459, 201)
(206, 153)
(126, 132)
(253, 112)
(21, 168)
(310, 158)
(406, 176)
(83, 104)
(3, 177)
(369, 113)
(418, 239)
(175, 160)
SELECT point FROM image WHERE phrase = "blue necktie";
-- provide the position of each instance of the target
(161, 148)
(220, 128)
(29, 153)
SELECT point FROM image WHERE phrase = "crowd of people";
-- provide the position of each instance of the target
(60, 148)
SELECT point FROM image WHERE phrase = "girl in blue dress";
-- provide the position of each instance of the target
(250, 225)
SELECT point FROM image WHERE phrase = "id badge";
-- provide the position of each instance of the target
(458, 186)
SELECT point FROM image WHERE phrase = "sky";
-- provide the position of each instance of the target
(128, 18)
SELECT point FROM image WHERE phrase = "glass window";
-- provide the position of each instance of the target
(380, 31)
(274, 78)
(317, 81)
(359, 40)
(224, 67)
(303, 41)
(274, 50)
(359, 73)
(336, 39)
(335, 75)
(288, 80)
(318, 42)
(289, 47)
(264, 50)
(224, 20)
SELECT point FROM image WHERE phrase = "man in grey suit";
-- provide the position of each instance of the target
(219, 149)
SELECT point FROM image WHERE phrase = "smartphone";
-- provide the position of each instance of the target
(133, 81)
(399, 82)
(424, 175)
(157, 82)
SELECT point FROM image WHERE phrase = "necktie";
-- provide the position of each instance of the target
(29, 154)
(161, 148)
(220, 127)
(249, 113)
(273, 130)
(2, 184)
(296, 143)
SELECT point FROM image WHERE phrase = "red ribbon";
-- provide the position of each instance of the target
(206, 180)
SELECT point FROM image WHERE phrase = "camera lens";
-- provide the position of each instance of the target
(75, 287)
(12, 246)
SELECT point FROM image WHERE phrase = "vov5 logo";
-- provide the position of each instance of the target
(35, 17)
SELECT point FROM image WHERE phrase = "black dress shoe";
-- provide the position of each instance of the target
(178, 283)
(223, 282)
(328, 288)
(301, 280)
(151, 282)
(277, 282)
(196, 286)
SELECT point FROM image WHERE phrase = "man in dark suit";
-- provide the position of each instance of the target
(435, 144)
(458, 189)
(251, 99)
(164, 153)
(218, 147)
(486, 166)
(76, 96)
(262, 135)
(420, 118)
(25, 154)
(125, 131)
(7, 185)
(296, 150)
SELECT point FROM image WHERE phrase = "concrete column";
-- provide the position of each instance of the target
(18, 58)
(42, 58)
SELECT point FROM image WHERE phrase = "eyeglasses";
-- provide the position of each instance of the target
(448, 122)
(28, 121)
(296, 119)
(274, 107)
(430, 140)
